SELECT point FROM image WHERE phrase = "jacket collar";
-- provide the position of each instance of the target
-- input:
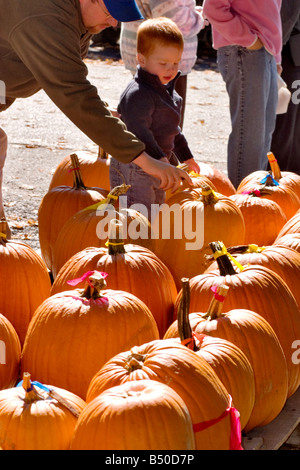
(154, 81)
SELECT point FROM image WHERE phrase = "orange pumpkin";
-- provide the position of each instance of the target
(215, 178)
(254, 336)
(228, 361)
(94, 168)
(89, 227)
(59, 204)
(284, 196)
(131, 268)
(258, 289)
(218, 179)
(291, 226)
(282, 260)
(75, 332)
(10, 354)
(198, 181)
(138, 415)
(292, 240)
(24, 282)
(286, 179)
(187, 223)
(171, 363)
(35, 416)
(263, 218)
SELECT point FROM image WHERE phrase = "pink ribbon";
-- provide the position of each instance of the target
(73, 282)
(254, 191)
(217, 296)
(235, 432)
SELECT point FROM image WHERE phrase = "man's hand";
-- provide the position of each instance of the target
(192, 165)
(169, 175)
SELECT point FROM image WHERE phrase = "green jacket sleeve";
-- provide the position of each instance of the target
(52, 54)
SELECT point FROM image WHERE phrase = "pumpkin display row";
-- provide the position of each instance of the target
(130, 340)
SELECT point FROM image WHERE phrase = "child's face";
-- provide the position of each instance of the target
(163, 61)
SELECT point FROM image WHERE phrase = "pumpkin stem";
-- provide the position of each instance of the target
(116, 192)
(96, 283)
(209, 196)
(223, 260)
(183, 323)
(31, 394)
(216, 305)
(102, 154)
(115, 238)
(77, 177)
(274, 166)
(3, 231)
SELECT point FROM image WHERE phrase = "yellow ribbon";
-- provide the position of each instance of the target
(3, 235)
(224, 251)
(113, 244)
(252, 248)
(101, 203)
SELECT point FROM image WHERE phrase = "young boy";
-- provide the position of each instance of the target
(150, 108)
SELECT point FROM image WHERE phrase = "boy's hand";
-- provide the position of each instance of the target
(169, 175)
(193, 165)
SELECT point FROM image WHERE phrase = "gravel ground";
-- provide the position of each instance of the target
(40, 135)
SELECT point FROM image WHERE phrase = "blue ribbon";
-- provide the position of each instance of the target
(263, 181)
(38, 384)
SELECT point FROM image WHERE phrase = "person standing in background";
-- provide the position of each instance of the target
(188, 18)
(286, 137)
(248, 38)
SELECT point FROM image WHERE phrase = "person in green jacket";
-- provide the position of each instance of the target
(42, 46)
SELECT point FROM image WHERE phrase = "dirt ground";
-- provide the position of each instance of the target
(40, 136)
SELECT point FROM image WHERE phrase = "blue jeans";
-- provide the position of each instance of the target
(251, 82)
(144, 192)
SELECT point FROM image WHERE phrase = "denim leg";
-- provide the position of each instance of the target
(251, 83)
(144, 192)
(3, 151)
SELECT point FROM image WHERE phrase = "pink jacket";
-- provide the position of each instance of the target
(241, 22)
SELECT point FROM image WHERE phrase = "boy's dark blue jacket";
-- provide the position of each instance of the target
(151, 111)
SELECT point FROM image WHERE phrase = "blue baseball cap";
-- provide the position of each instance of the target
(123, 10)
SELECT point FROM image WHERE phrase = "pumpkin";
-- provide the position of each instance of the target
(284, 179)
(258, 289)
(253, 335)
(215, 178)
(10, 354)
(198, 181)
(169, 362)
(228, 361)
(263, 218)
(89, 227)
(75, 332)
(282, 260)
(291, 226)
(131, 268)
(24, 282)
(94, 168)
(138, 415)
(187, 223)
(34, 416)
(269, 188)
(59, 204)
